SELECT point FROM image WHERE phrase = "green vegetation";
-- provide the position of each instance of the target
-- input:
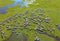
(51, 9)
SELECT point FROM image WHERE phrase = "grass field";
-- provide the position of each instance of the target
(51, 8)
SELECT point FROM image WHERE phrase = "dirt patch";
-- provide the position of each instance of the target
(13, 37)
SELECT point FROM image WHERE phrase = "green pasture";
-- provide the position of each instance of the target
(51, 8)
